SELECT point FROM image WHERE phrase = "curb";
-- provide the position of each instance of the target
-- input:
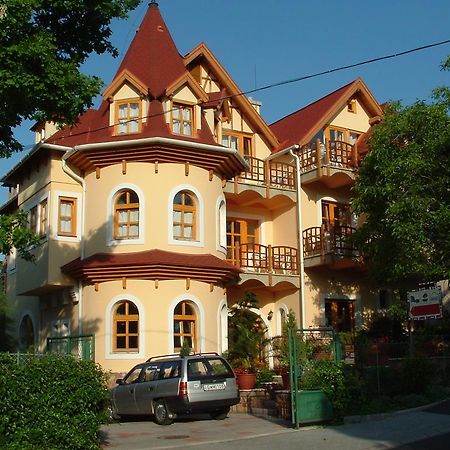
(381, 416)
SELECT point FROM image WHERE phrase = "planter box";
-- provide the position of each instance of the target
(313, 406)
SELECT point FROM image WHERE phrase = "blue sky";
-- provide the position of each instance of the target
(264, 42)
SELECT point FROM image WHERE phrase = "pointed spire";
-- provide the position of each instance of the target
(152, 56)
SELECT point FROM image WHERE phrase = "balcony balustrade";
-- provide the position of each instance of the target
(326, 160)
(269, 173)
(282, 260)
(319, 242)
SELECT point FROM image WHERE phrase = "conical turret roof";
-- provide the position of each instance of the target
(152, 56)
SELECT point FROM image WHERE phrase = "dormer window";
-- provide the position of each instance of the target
(128, 114)
(182, 119)
(351, 106)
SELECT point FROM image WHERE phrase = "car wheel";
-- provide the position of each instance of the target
(161, 413)
(220, 414)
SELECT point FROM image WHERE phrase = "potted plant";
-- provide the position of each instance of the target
(281, 349)
(246, 340)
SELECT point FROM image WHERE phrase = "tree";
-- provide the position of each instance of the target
(14, 232)
(42, 46)
(403, 191)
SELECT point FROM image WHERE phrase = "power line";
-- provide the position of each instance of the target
(282, 83)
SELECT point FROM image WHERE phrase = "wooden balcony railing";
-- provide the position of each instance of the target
(267, 259)
(317, 241)
(269, 173)
(334, 154)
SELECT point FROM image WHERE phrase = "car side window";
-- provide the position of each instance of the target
(151, 373)
(170, 369)
(133, 375)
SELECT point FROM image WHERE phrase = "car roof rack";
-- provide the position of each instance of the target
(177, 355)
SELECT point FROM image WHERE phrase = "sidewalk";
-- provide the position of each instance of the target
(393, 431)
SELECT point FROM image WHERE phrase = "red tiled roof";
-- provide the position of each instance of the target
(151, 264)
(293, 128)
(152, 56)
(153, 59)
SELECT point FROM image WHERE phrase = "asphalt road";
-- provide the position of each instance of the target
(427, 429)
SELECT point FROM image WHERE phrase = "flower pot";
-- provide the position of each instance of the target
(246, 380)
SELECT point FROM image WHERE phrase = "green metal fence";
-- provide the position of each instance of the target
(82, 346)
(306, 345)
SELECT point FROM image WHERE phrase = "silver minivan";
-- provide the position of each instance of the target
(169, 385)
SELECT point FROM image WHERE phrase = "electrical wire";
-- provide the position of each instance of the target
(284, 82)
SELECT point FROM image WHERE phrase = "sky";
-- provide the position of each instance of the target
(264, 42)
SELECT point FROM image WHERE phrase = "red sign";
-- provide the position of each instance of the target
(425, 303)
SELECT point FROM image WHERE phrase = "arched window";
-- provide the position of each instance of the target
(184, 216)
(222, 225)
(26, 333)
(125, 327)
(126, 215)
(184, 326)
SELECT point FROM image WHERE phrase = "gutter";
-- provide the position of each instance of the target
(80, 180)
(290, 150)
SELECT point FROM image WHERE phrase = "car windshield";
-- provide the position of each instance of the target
(205, 368)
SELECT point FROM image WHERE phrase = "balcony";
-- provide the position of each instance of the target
(268, 264)
(332, 249)
(263, 182)
(333, 164)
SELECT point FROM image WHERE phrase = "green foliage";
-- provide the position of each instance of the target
(328, 376)
(417, 375)
(51, 402)
(246, 335)
(281, 344)
(6, 341)
(264, 375)
(42, 46)
(14, 232)
(389, 324)
(402, 190)
(185, 349)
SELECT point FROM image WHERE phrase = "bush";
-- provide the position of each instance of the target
(417, 375)
(51, 402)
(264, 375)
(328, 376)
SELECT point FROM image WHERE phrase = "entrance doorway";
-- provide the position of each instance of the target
(340, 314)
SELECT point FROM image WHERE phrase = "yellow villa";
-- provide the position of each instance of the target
(163, 207)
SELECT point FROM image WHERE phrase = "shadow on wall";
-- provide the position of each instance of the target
(339, 285)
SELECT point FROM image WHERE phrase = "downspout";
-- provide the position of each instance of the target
(299, 232)
(80, 180)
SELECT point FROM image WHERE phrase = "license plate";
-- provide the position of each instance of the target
(214, 387)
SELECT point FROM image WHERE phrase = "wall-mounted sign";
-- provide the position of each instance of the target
(425, 303)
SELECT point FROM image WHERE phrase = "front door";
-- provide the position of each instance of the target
(340, 314)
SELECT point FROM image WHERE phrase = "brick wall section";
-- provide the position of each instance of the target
(261, 402)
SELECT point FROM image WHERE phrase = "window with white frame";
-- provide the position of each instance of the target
(222, 224)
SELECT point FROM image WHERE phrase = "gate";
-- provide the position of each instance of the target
(312, 344)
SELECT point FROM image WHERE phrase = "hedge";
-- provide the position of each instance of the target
(51, 402)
